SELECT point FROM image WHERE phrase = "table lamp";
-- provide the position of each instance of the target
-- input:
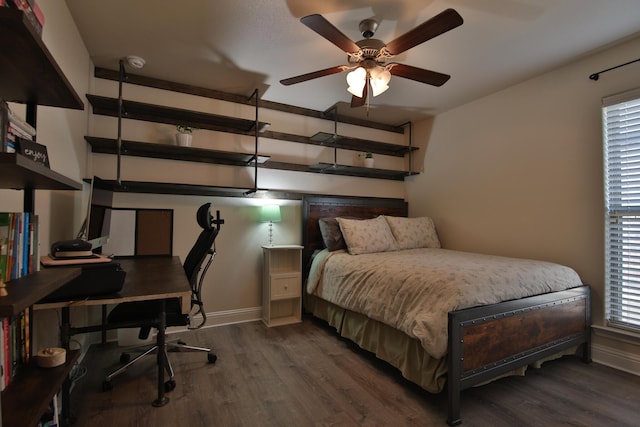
(270, 214)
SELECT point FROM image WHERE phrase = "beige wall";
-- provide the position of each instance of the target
(519, 172)
(233, 285)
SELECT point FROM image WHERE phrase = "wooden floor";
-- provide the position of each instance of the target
(304, 375)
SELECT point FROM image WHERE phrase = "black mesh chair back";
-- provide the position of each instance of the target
(203, 250)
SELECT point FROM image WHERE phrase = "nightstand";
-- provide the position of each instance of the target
(282, 285)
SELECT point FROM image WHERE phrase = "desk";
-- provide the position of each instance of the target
(153, 278)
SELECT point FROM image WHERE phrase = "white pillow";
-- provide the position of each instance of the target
(364, 236)
(412, 233)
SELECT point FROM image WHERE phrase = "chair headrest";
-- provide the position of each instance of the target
(203, 216)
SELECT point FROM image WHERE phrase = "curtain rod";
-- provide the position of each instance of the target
(596, 76)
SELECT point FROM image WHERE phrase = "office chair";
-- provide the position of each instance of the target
(145, 314)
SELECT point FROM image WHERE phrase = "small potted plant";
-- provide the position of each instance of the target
(183, 137)
(368, 159)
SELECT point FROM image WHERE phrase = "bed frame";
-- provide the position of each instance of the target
(487, 341)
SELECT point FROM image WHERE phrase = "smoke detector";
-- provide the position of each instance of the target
(135, 61)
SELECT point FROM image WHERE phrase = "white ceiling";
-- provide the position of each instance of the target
(239, 45)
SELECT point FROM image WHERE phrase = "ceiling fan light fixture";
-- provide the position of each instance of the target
(356, 80)
(380, 78)
(369, 56)
(378, 87)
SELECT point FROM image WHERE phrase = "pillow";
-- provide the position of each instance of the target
(413, 232)
(331, 234)
(367, 235)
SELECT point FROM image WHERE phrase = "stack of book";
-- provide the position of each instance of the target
(17, 130)
(15, 342)
(18, 136)
(18, 257)
(31, 10)
(19, 249)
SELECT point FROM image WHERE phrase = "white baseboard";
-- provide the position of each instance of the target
(616, 348)
(218, 318)
(227, 317)
(617, 359)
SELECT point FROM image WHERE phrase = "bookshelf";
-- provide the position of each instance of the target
(30, 75)
(168, 115)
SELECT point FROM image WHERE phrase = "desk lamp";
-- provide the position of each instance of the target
(270, 214)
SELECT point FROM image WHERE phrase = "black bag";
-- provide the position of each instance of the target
(95, 280)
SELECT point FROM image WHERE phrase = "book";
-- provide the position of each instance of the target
(33, 242)
(37, 12)
(5, 223)
(4, 124)
(10, 252)
(16, 268)
(21, 124)
(10, 144)
(17, 132)
(24, 6)
(1, 357)
(6, 350)
(36, 243)
(24, 265)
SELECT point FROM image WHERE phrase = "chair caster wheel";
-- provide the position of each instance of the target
(212, 358)
(181, 342)
(124, 358)
(106, 385)
(169, 386)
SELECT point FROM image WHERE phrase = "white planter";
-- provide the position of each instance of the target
(368, 162)
(183, 139)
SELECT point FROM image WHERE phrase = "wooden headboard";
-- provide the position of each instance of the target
(316, 207)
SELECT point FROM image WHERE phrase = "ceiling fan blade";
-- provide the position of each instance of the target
(441, 23)
(326, 29)
(314, 75)
(419, 74)
(356, 101)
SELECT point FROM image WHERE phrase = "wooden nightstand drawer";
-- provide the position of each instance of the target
(285, 285)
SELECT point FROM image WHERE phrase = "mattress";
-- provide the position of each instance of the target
(414, 290)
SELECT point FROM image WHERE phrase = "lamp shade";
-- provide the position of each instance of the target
(356, 80)
(270, 213)
(380, 78)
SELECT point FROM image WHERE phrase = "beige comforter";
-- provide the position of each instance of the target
(413, 290)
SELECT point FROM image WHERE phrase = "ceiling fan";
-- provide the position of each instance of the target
(368, 59)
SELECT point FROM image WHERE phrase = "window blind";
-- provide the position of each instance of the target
(621, 134)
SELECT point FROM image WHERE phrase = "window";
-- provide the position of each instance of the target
(621, 129)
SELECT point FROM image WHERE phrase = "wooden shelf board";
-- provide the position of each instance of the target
(29, 74)
(19, 172)
(357, 144)
(193, 189)
(27, 290)
(172, 152)
(330, 168)
(32, 389)
(175, 116)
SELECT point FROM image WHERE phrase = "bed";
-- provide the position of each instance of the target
(482, 342)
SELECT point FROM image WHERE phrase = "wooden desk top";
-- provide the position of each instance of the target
(147, 278)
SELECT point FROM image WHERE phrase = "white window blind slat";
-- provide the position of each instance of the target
(621, 132)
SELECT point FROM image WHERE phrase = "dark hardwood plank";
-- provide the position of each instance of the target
(304, 374)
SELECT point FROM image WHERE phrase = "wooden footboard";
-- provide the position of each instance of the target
(488, 341)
